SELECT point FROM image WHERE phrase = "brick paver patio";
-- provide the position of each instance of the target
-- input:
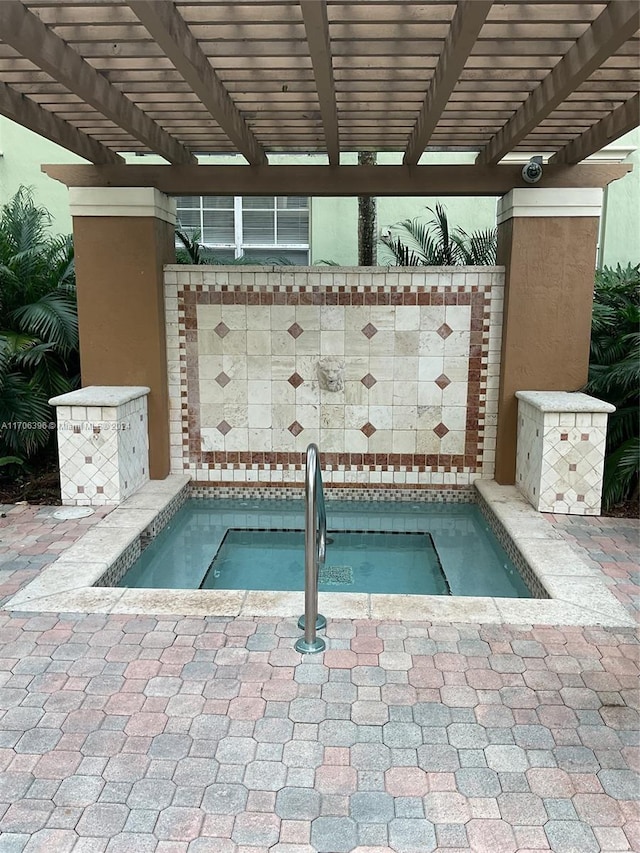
(187, 735)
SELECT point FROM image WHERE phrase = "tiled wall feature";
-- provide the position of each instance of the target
(103, 444)
(420, 349)
(560, 451)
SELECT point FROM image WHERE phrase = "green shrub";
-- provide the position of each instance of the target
(38, 325)
(614, 375)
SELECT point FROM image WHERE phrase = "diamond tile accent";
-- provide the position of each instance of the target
(296, 380)
(368, 381)
(222, 379)
(441, 430)
(369, 331)
(368, 429)
(442, 381)
(224, 427)
(295, 428)
(222, 330)
(295, 330)
(444, 331)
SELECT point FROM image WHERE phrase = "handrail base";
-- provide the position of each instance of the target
(318, 645)
(321, 622)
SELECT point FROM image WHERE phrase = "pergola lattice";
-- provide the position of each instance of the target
(183, 78)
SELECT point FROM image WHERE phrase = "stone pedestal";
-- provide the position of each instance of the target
(560, 450)
(103, 443)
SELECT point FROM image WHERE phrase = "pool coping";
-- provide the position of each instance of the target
(577, 592)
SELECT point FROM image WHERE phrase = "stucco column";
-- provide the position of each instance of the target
(123, 237)
(547, 240)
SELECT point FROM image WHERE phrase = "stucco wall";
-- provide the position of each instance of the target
(421, 356)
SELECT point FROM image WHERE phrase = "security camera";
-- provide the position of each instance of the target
(532, 171)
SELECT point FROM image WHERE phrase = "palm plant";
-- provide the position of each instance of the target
(614, 375)
(38, 325)
(415, 242)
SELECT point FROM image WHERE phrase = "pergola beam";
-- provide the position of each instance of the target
(465, 27)
(171, 33)
(623, 119)
(24, 32)
(314, 14)
(462, 180)
(611, 29)
(26, 112)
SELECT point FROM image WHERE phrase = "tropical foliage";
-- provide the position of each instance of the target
(614, 375)
(416, 242)
(38, 326)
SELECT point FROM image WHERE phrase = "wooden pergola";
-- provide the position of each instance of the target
(183, 78)
(258, 77)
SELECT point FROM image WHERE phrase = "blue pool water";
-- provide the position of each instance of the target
(356, 562)
(378, 547)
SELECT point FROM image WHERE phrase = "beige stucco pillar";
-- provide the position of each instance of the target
(123, 236)
(547, 240)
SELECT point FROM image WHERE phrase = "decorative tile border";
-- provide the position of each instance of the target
(248, 491)
(212, 312)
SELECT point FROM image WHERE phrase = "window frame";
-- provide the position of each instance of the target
(239, 247)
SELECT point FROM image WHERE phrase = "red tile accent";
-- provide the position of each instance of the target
(442, 381)
(296, 380)
(444, 331)
(100, 489)
(295, 330)
(369, 330)
(368, 429)
(368, 381)
(295, 429)
(564, 436)
(572, 467)
(441, 430)
(80, 490)
(584, 436)
(580, 499)
(560, 496)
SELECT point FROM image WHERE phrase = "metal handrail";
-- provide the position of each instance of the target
(315, 548)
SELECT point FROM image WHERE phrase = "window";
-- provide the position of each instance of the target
(260, 227)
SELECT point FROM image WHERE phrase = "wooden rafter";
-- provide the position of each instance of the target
(314, 13)
(26, 112)
(466, 25)
(33, 40)
(611, 29)
(169, 30)
(623, 119)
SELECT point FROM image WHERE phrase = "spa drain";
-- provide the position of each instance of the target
(335, 575)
